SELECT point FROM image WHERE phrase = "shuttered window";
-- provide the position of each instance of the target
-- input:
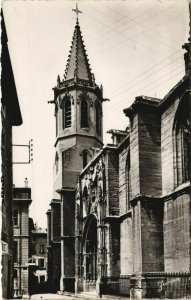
(98, 118)
(67, 121)
(84, 114)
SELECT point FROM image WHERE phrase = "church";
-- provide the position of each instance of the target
(119, 221)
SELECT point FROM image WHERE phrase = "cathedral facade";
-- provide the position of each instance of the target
(123, 209)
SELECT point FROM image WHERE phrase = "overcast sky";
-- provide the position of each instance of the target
(134, 48)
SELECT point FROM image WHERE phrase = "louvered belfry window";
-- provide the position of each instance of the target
(67, 121)
(84, 114)
(98, 118)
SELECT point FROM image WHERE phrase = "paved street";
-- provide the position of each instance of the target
(88, 295)
(84, 296)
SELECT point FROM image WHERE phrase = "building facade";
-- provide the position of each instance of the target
(124, 209)
(37, 260)
(21, 202)
(133, 203)
(10, 116)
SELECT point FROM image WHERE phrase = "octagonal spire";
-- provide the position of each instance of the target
(77, 64)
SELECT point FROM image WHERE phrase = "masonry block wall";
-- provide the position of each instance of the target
(54, 247)
(134, 150)
(136, 237)
(126, 257)
(115, 247)
(167, 120)
(112, 171)
(152, 235)
(68, 233)
(126, 247)
(55, 267)
(177, 204)
(177, 233)
(149, 144)
(123, 201)
(55, 221)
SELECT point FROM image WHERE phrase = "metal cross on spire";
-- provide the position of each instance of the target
(77, 11)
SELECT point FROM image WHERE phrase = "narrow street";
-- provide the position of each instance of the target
(84, 295)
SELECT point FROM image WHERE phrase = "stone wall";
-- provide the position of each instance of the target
(123, 201)
(134, 150)
(126, 248)
(149, 144)
(152, 235)
(177, 233)
(112, 171)
(167, 120)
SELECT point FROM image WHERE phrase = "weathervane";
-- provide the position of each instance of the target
(77, 11)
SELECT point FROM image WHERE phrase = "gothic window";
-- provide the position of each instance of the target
(15, 253)
(56, 162)
(98, 118)
(128, 181)
(182, 137)
(85, 199)
(67, 121)
(85, 158)
(84, 114)
(15, 217)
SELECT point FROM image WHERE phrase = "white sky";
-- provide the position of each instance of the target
(134, 48)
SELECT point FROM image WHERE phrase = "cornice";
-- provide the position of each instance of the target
(182, 189)
(77, 135)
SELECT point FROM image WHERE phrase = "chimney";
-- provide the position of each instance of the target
(26, 183)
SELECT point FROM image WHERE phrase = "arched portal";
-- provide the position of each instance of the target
(90, 250)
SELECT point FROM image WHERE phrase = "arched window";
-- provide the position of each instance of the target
(98, 118)
(182, 136)
(56, 162)
(67, 121)
(128, 181)
(85, 200)
(84, 114)
(85, 158)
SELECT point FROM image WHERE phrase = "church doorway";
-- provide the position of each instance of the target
(90, 251)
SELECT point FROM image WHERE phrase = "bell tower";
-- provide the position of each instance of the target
(78, 113)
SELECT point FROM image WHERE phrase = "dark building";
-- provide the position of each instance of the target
(10, 116)
(54, 245)
(21, 202)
